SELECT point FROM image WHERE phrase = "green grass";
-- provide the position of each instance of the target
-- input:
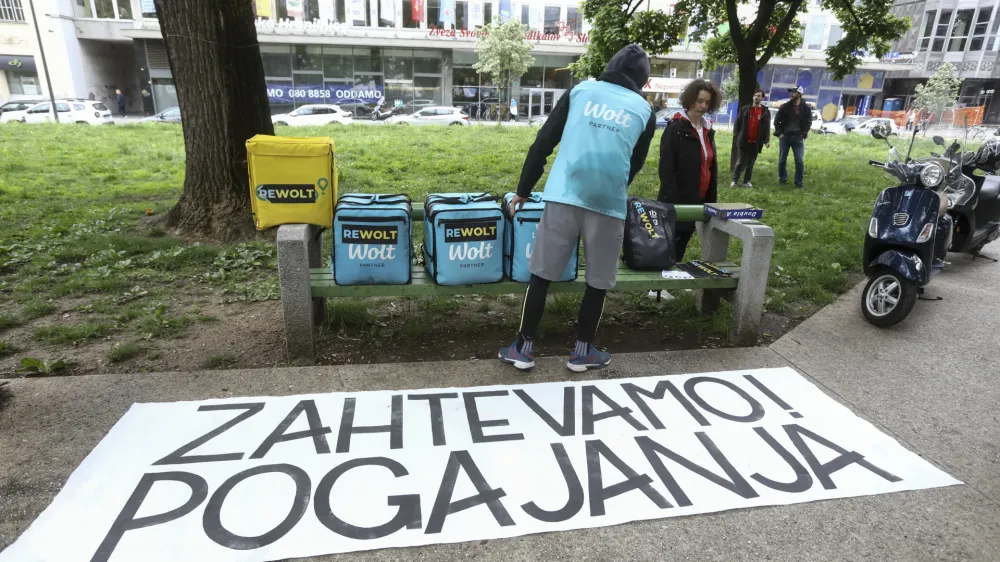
(219, 362)
(125, 351)
(71, 199)
(72, 333)
(7, 348)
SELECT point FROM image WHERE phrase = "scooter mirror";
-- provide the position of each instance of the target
(938, 140)
(881, 130)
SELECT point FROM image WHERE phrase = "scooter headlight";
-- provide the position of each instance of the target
(926, 233)
(931, 175)
(873, 227)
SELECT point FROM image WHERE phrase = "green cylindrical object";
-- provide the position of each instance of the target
(685, 213)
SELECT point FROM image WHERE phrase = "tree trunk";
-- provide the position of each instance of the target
(217, 69)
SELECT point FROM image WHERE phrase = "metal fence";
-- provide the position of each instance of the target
(10, 10)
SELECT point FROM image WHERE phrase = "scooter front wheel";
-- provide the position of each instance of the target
(888, 298)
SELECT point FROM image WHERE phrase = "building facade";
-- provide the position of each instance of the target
(356, 52)
(961, 32)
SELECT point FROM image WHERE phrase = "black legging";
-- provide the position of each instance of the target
(685, 230)
(589, 318)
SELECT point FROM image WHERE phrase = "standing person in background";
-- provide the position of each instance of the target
(604, 128)
(751, 133)
(791, 126)
(121, 102)
(688, 168)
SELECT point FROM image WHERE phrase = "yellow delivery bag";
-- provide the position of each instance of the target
(292, 180)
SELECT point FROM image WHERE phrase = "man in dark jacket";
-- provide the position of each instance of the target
(752, 132)
(604, 129)
(791, 126)
(120, 98)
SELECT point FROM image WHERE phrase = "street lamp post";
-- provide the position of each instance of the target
(45, 66)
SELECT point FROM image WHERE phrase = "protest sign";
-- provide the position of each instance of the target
(271, 478)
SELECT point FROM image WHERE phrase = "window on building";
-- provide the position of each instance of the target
(574, 19)
(386, 14)
(24, 83)
(434, 14)
(814, 33)
(836, 34)
(427, 62)
(979, 31)
(462, 15)
(11, 10)
(941, 32)
(338, 63)
(925, 41)
(993, 44)
(551, 22)
(307, 10)
(408, 20)
(960, 32)
(525, 14)
(308, 57)
(488, 13)
(277, 60)
(398, 64)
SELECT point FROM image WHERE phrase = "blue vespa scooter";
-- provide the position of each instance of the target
(910, 230)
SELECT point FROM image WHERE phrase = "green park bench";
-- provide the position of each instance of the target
(306, 283)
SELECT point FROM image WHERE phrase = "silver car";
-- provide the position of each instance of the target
(434, 115)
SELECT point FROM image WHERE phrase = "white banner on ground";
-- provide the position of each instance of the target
(259, 479)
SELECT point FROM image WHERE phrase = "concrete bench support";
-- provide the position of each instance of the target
(299, 249)
(748, 304)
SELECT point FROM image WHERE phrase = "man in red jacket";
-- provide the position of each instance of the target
(752, 132)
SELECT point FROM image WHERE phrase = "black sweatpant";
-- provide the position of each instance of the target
(588, 319)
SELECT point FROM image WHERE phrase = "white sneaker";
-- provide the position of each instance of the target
(732, 184)
(748, 185)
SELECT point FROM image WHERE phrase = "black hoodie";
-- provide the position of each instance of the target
(629, 68)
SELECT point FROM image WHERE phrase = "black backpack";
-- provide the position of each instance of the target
(650, 229)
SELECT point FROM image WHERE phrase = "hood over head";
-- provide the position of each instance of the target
(633, 62)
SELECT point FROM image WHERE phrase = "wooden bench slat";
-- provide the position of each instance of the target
(422, 284)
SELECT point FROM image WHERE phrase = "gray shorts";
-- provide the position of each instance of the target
(559, 234)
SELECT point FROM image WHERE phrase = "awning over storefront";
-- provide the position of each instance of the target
(18, 63)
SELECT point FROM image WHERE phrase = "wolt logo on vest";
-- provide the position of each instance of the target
(608, 115)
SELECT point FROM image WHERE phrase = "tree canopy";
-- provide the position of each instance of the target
(940, 90)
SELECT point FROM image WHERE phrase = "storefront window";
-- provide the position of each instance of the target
(659, 68)
(684, 69)
(427, 88)
(427, 62)
(408, 20)
(308, 57)
(368, 81)
(338, 62)
(276, 59)
(560, 78)
(23, 83)
(367, 60)
(532, 78)
(398, 64)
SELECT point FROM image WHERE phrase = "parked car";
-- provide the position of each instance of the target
(316, 114)
(411, 107)
(817, 119)
(435, 115)
(15, 110)
(845, 125)
(664, 116)
(172, 115)
(70, 111)
(357, 108)
(866, 127)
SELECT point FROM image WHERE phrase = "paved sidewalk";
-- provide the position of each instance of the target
(931, 382)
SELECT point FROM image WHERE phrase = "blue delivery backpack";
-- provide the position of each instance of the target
(372, 240)
(519, 240)
(463, 238)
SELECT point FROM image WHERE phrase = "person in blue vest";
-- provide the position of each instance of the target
(605, 127)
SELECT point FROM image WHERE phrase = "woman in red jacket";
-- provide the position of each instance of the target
(688, 169)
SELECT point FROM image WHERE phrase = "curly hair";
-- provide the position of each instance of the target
(691, 91)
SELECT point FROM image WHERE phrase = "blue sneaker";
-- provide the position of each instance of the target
(522, 361)
(594, 359)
